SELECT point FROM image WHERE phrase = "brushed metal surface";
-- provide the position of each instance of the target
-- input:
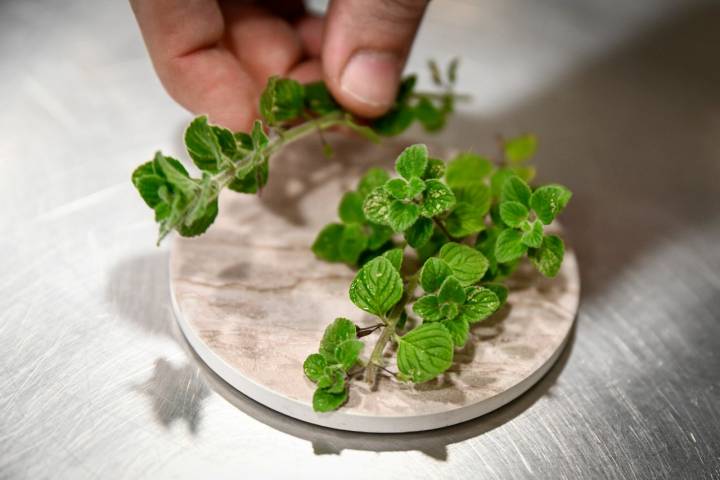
(97, 383)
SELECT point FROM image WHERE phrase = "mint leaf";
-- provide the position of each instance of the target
(498, 179)
(467, 264)
(515, 190)
(379, 235)
(375, 177)
(333, 379)
(509, 246)
(459, 330)
(468, 216)
(425, 352)
(548, 201)
(327, 243)
(402, 216)
(467, 168)
(519, 149)
(433, 274)
(203, 146)
(260, 140)
(412, 161)
(376, 206)
(351, 208)
(449, 310)
(253, 180)
(353, 242)
(396, 121)
(314, 366)
(396, 257)
(419, 233)
(336, 333)
(318, 99)
(548, 258)
(347, 353)
(533, 236)
(431, 117)
(324, 401)
(451, 291)
(415, 187)
(428, 308)
(376, 287)
(501, 291)
(513, 214)
(437, 199)
(282, 99)
(398, 188)
(481, 303)
(435, 169)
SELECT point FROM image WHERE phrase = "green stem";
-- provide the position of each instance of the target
(376, 357)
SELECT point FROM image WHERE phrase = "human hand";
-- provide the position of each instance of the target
(214, 56)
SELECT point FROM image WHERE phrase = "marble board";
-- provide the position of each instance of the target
(252, 300)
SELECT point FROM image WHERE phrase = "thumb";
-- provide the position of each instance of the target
(365, 46)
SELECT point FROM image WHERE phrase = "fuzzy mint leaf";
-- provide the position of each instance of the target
(336, 333)
(449, 310)
(548, 258)
(203, 146)
(377, 287)
(513, 214)
(467, 168)
(467, 264)
(412, 161)
(532, 236)
(431, 117)
(327, 243)
(402, 216)
(433, 274)
(353, 242)
(500, 290)
(350, 209)
(253, 180)
(451, 291)
(333, 379)
(437, 199)
(419, 233)
(396, 257)
(468, 216)
(509, 246)
(398, 188)
(435, 169)
(396, 121)
(520, 149)
(202, 222)
(314, 366)
(425, 352)
(375, 177)
(324, 401)
(259, 138)
(415, 187)
(376, 206)
(548, 201)
(481, 302)
(318, 99)
(282, 99)
(516, 190)
(428, 308)
(459, 330)
(379, 235)
(347, 353)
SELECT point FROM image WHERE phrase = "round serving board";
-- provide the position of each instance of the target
(253, 301)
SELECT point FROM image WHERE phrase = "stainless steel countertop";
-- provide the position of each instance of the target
(98, 383)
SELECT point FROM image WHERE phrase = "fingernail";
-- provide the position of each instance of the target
(372, 77)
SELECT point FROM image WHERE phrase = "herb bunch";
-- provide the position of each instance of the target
(467, 224)
(239, 161)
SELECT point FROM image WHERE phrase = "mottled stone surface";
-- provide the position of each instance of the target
(254, 293)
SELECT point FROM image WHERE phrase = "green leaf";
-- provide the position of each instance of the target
(459, 330)
(449, 310)
(324, 401)
(375, 177)
(352, 243)
(452, 70)
(333, 379)
(437, 199)
(519, 149)
(351, 208)
(513, 213)
(318, 98)
(377, 287)
(379, 235)
(282, 99)
(468, 216)
(516, 190)
(402, 216)
(396, 257)
(148, 183)
(433, 274)
(431, 117)
(498, 289)
(467, 168)
(407, 85)
(419, 233)
(533, 237)
(314, 366)
(202, 223)
(509, 246)
(451, 291)
(202, 145)
(347, 353)
(425, 352)
(485, 244)
(467, 264)
(435, 169)
(548, 258)
(481, 302)
(498, 179)
(327, 243)
(396, 121)
(226, 140)
(548, 201)
(376, 206)
(428, 308)
(336, 333)
(435, 73)
(415, 187)
(526, 172)
(412, 161)
(253, 180)
(260, 140)
(398, 188)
